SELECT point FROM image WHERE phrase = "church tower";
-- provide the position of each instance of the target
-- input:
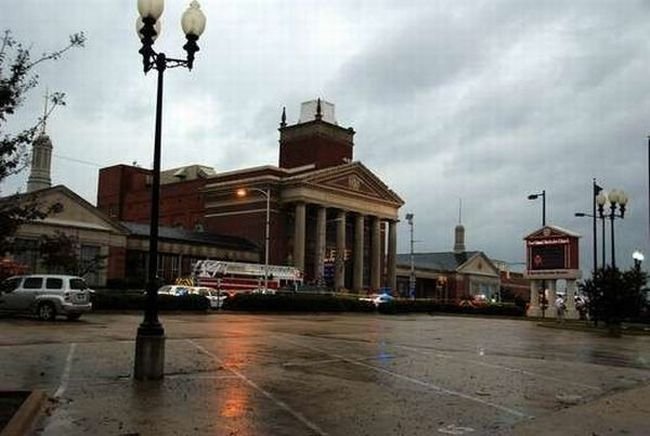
(316, 139)
(39, 175)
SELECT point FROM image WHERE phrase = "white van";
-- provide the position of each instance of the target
(46, 295)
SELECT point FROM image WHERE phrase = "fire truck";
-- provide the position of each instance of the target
(236, 277)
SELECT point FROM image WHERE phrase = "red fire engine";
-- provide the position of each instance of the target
(245, 277)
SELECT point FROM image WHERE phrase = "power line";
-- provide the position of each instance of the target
(72, 159)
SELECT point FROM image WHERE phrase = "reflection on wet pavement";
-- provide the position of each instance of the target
(296, 375)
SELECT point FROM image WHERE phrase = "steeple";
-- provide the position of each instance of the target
(459, 231)
(283, 118)
(39, 175)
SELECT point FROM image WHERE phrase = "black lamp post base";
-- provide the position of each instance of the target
(149, 355)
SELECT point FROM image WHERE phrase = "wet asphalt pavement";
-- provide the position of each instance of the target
(230, 374)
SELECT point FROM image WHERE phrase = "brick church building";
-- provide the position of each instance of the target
(329, 215)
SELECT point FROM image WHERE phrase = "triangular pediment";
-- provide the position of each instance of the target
(352, 179)
(479, 264)
(74, 211)
(551, 232)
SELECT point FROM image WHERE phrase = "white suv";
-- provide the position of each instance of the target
(46, 295)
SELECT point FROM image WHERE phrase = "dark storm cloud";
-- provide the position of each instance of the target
(492, 102)
(487, 101)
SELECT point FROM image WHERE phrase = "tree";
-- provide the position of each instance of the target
(60, 253)
(614, 296)
(17, 78)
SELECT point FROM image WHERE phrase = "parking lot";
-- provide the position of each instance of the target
(361, 374)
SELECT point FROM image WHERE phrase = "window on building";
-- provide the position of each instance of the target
(90, 263)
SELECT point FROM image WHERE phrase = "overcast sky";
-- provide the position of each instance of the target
(484, 101)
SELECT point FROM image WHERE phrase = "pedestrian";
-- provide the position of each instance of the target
(559, 307)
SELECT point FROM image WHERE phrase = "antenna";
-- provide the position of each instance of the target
(45, 110)
(460, 211)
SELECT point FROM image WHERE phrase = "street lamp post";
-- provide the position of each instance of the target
(595, 191)
(409, 219)
(150, 339)
(602, 219)
(535, 197)
(615, 198)
(267, 195)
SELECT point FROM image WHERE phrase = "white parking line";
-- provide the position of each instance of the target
(413, 380)
(497, 366)
(267, 394)
(65, 377)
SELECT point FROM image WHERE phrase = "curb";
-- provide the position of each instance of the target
(594, 330)
(22, 420)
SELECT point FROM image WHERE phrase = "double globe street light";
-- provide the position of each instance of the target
(614, 200)
(638, 258)
(150, 339)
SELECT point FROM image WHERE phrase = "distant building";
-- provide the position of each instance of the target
(449, 275)
(458, 274)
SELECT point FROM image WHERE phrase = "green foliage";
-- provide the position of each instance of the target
(296, 303)
(14, 211)
(614, 296)
(116, 300)
(60, 253)
(432, 306)
(508, 296)
(337, 303)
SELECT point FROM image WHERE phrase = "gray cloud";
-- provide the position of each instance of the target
(486, 101)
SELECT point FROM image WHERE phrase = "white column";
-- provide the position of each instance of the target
(339, 266)
(571, 312)
(392, 256)
(320, 244)
(375, 254)
(299, 236)
(357, 276)
(551, 312)
(533, 306)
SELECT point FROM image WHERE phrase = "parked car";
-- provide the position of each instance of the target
(46, 295)
(216, 298)
(175, 290)
(378, 299)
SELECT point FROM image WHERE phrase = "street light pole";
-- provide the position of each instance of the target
(535, 197)
(614, 198)
(595, 190)
(150, 338)
(409, 219)
(267, 195)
